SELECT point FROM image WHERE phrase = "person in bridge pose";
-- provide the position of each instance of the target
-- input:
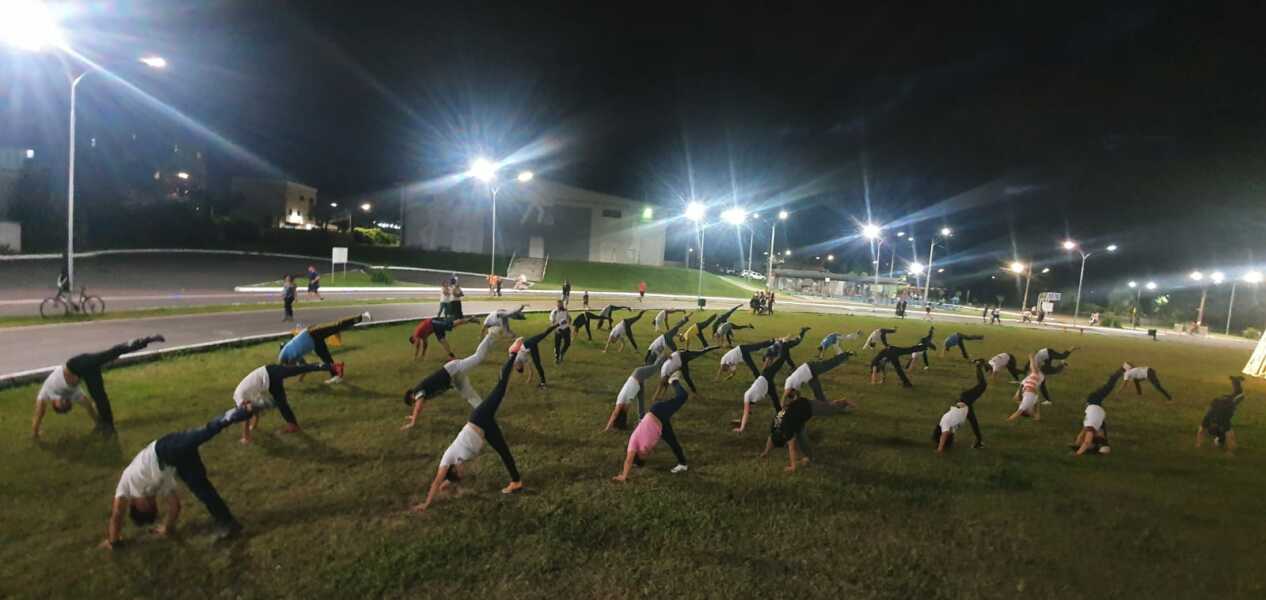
(762, 385)
(454, 373)
(925, 342)
(834, 339)
(963, 410)
(264, 388)
(1135, 375)
(605, 315)
(634, 388)
(152, 475)
(725, 332)
(61, 387)
(878, 336)
(312, 339)
(623, 330)
(438, 327)
(499, 321)
(959, 340)
(480, 427)
(666, 343)
(655, 425)
(1050, 362)
(741, 354)
(892, 355)
(1027, 394)
(584, 319)
(1005, 362)
(524, 349)
(810, 373)
(1093, 436)
(661, 318)
(679, 361)
(697, 330)
(1217, 421)
(723, 318)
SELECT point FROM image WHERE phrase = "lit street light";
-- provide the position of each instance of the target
(486, 172)
(915, 268)
(1071, 245)
(696, 212)
(366, 207)
(1138, 298)
(334, 205)
(873, 233)
(27, 25)
(737, 217)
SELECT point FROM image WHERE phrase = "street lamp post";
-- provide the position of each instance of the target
(1071, 245)
(486, 171)
(927, 279)
(30, 27)
(1204, 294)
(773, 228)
(873, 233)
(697, 212)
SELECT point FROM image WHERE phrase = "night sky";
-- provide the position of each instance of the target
(1016, 125)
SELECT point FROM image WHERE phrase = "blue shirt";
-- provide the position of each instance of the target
(830, 340)
(953, 340)
(298, 347)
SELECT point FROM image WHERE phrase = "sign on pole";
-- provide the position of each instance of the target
(337, 256)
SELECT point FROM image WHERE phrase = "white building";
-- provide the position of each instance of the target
(276, 203)
(538, 219)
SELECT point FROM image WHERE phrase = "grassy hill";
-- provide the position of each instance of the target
(877, 513)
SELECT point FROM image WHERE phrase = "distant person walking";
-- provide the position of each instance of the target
(314, 282)
(498, 281)
(288, 292)
(566, 291)
(984, 314)
(585, 300)
(641, 291)
(446, 296)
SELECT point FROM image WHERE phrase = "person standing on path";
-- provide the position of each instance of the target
(288, 292)
(641, 291)
(566, 291)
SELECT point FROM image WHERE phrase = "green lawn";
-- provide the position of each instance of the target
(877, 514)
(352, 278)
(624, 278)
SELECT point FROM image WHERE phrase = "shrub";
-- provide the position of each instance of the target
(382, 276)
(375, 236)
(1252, 333)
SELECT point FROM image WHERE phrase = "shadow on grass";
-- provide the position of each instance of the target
(308, 449)
(90, 450)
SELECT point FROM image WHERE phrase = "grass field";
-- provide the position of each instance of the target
(877, 514)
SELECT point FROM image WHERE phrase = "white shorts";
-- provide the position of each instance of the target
(628, 393)
(1094, 417)
(1028, 401)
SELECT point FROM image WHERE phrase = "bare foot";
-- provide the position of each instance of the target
(620, 478)
(790, 468)
(804, 460)
(245, 440)
(513, 487)
(418, 508)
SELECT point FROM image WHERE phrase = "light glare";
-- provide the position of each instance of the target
(1069, 244)
(916, 268)
(366, 207)
(1133, 284)
(734, 216)
(1112, 247)
(870, 231)
(946, 231)
(1253, 277)
(525, 176)
(483, 170)
(1217, 277)
(1197, 275)
(782, 214)
(696, 211)
(27, 25)
(1151, 285)
(1017, 267)
(156, 62)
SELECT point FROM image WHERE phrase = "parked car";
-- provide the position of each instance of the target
(752, 275)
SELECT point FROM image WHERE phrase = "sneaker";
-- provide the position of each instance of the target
(226, 531)
(364, 316)
(978, 445)
(334, 379)
(680, 469)
(1046, 402)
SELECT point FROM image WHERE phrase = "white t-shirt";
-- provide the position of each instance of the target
(999, 363)
(732, 358)
(1028, 400)
(616, 332)
(954, 418)
(628, 393)
(1042, 355)
(672, 365)
(465, 446)
(493, 319)
(143, 477)
(875, 338)
(254, 388)
(1094, 417)
(798, 378)
(658, 346)
(559, 317)
(756, 392)
(56, 388)
(1137, 373)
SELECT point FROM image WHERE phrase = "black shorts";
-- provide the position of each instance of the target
(314, 286)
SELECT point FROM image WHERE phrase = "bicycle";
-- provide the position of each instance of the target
(61, 305)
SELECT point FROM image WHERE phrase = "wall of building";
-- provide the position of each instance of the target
(567, 223)
(275, 202)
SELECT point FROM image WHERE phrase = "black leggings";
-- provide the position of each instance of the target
(747, 349)
(970, 396)
(276, 387)
(532, 346)
(1151, 376)
(180, 450)
(1099, 395)
(702, 324)
(484, 417)
(562, 341)
(670, 336)
(583, 320)
(820, 368)
(686, 357)
(88, 368)
(324, 330)
(892, 356)
(628, 328)
(664, 411)
(725, 317)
